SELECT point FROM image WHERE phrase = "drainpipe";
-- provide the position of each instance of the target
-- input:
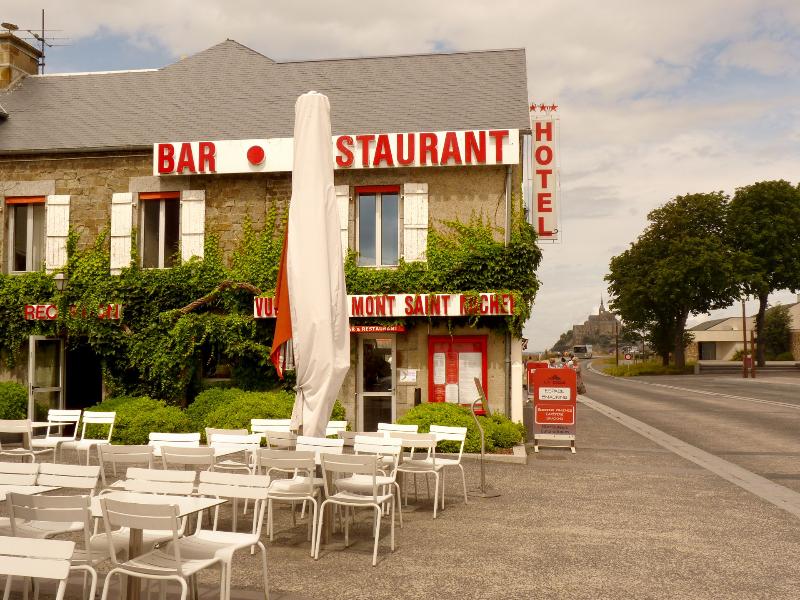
(507, 240)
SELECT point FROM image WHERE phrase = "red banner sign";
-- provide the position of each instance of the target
(377, 328)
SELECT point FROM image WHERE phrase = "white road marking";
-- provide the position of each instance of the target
(695, 391)
(776, 494)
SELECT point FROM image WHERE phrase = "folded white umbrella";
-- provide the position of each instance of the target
(311, 278)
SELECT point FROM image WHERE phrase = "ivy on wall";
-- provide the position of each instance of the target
(200, 312)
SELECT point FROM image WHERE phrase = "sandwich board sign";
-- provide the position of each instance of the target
(554, 406)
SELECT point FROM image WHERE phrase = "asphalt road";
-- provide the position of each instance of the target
(754, 424)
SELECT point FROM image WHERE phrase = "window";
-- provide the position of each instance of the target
(378, 225)
(26, 233)
(159, 224)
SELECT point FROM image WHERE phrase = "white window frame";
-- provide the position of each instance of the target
(162, 211)
(366, 191)
(11, 231)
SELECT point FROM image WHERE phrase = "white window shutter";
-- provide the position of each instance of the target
(121, 231)
(343, 202)
(56, 230)
(193, 223)
(415, 221)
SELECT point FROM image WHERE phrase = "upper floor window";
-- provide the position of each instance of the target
(159, 224)
(26, 233)
(378, 225)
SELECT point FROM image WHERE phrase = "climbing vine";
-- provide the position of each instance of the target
(199, 314)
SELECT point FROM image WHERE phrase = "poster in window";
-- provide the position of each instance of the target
(438, 368)
(470, 366)
(451, 367)
(451, 392)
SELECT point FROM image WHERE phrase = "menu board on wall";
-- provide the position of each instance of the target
(438, 368)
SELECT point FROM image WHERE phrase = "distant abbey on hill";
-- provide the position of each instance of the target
(598, 330)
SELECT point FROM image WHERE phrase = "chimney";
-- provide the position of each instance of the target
(17, 59)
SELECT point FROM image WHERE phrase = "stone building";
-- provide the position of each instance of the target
(603, 325)
(163, 155)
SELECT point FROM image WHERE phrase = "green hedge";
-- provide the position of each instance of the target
(13, 400)
(229, 408)
(499, 430)
(138, 416)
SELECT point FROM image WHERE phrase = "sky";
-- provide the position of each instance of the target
(656, 99)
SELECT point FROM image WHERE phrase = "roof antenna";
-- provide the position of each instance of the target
(41, 37)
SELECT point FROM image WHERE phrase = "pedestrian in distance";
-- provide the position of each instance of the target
(576, 366)
(552, 363)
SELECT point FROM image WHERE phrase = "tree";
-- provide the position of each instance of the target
(680, 265)
(764, 224)
(777, 333)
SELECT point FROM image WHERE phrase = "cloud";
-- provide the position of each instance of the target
(657, 99)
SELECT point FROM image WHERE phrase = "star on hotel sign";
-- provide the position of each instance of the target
(545, 108)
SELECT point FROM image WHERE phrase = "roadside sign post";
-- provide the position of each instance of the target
(554, 407)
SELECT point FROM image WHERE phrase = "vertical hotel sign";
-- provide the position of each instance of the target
(544, 172)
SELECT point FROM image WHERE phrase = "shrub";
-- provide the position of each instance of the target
(208, 401)
(138, 416)
(505, 432)
(648, 368)
(499, 430)
(234, 408)
(785, 356)
(13, 400)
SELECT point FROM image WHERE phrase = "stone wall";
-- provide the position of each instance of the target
(453, 192)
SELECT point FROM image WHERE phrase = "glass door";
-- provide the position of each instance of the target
(377, 379)
(45, 376)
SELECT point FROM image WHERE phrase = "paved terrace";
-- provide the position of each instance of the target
(623, 518)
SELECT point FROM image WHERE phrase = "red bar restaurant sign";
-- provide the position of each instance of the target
(377, 328)
(554, 405)
(49, 312)
(411, 305)
(354, 151)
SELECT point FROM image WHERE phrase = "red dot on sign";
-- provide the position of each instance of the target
(255, 154)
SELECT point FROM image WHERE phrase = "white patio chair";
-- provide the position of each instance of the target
(318, 445)
(452, 434)
(366, 466)
(77, 477)
(302, 486)
(98, 419)
(281, 440)
(123, 455)
(389, 452)
(398, 427)
(263, 425)
(24, 509)
(213, 543)
(188, 440)
(154, 481)
(161, 564)
(18, 473)
(159, 481)
(21, 427)
(212, 431)
(334, 427)
(180, 457)
(45, 559)
(57, 420)
(425, 466)
(246, 443)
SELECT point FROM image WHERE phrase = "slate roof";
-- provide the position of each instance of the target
(230, 91)
(707, 324)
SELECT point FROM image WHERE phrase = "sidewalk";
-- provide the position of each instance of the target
(622, 518)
